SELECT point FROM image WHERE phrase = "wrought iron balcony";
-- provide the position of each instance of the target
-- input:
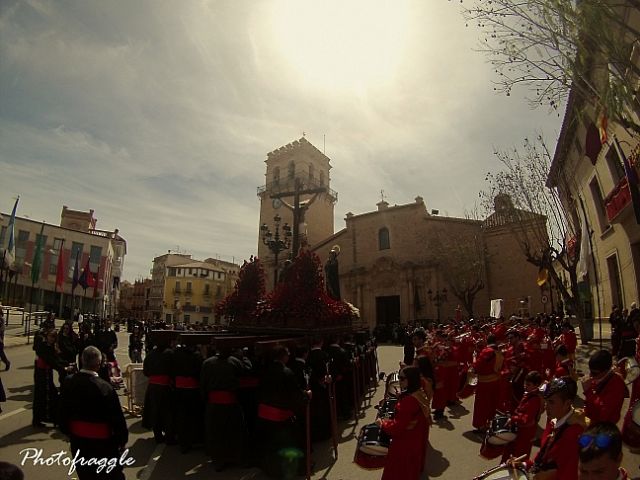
(617, 201)
(288, 185)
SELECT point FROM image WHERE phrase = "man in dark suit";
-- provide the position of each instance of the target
(91, 415)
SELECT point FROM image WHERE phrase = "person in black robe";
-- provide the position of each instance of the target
(45, 393)
(225, 432)
(340, 370)
(281, 402)
(107, 341)
(91, 415)
(318, 361)
(187, 365)
(159, 411)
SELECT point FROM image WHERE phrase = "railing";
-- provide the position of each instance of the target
(617, 200)
(288, 184)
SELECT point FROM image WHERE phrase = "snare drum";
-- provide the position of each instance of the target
(469, 387)
(631, 426)
(501, 431)
(393, 385)
(373, 441)
(629, 369)
(504, 473)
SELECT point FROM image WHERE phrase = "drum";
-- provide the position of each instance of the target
(387, 407)
(392, 388)
(631, 426)
(489, 451)
(369, 462)
(503, 473)
(373, 441)
(470, 387)
(629, 369)
(501, 431)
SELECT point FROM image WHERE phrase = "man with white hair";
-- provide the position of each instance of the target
(92, 417)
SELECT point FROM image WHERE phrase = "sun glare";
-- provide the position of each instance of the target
(341, 44)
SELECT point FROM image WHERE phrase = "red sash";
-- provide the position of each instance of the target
(160, 380)
(40, 363)
(222, 397)
(186, 382)
(249, 382)
(93, 430)
(274, 414)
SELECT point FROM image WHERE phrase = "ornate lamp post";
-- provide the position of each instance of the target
(437, 299)
(277, 242)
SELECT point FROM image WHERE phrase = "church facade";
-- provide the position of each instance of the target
(401, 263)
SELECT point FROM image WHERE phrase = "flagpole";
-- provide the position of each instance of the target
(35, 274)
(59, 271)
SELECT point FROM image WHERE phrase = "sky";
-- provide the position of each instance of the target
(159, 114)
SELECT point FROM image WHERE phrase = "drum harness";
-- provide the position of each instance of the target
(539, 464)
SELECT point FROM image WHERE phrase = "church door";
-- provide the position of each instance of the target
(387, 310)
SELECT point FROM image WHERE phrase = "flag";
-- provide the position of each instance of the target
(602, 127)
(74, 282)
(632, 179)
(543, 276)
(10, 251)
(36, 263)
(95, 284)
(582, 267)
(86, 279)
(60, 267)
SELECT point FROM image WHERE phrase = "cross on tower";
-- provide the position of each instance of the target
(382, 195)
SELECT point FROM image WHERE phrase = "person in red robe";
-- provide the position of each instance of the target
(407, 429)
(604, 391)
(526, 417)
(557, 458)
(564, 365)
(487, 366)
(601, 453)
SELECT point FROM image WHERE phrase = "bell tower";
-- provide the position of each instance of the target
(297, 190)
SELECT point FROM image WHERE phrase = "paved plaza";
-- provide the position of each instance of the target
(454, 453)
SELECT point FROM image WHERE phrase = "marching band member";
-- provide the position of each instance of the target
(526, 417)
(487, 366)
(408, 429)
(601, 453)
(557, 458)
(605, 389)
(564, 364)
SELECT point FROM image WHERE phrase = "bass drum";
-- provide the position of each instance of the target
(373, 441)
(392, 388)
(631, 426)
(504, 473)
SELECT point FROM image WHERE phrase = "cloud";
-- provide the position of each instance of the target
(159, 116)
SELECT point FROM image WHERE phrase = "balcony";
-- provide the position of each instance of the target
(617, 201)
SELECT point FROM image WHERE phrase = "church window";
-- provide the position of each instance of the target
(383, 239)
(292, 169)
(276, 175)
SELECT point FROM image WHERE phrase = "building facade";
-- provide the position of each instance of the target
(296, 168)
(75, 238)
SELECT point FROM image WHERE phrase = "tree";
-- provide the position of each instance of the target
(241, 304)
(534, 214)
(462, 263)
(553, 46)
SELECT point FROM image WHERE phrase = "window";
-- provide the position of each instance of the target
(218, 291)
(188, 287)
(292, 170)
(41, 238)
(168, 318)
(23, 238)
(53, 263)
(615, 165)
(276, 175)
(614, 280)
(172, 272)
(177, 288)
(57, 244)
(76, 251)
(321, 178)
(207, 289)
(598, 202)
(311, 171)
(383, 239)
(179, 271)
(205, 320)
(187, 318)
(94, 257)
(189, 271)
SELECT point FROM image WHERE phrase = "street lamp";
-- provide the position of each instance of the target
(275, 242)
(437, 299)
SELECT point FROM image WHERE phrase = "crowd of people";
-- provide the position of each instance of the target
(518, 367)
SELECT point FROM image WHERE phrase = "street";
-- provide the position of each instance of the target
(454, 453)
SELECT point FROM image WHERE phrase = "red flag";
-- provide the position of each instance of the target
(60, 268)
(87, 279)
